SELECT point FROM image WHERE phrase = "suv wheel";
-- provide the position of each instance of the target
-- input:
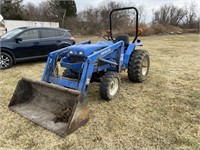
(6, 61)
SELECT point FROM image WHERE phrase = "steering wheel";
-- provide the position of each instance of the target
(107, 37)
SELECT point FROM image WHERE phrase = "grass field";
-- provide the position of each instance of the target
(161, 113)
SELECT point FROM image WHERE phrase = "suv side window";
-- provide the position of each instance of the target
(47, 33)
(30, 34)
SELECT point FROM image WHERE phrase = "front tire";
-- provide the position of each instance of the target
(138, 66)
(6, 61)
(110, 85)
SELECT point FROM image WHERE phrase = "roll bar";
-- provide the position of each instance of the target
(125, 8)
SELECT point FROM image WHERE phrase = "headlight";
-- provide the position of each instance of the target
(80, 53)
(71, 52)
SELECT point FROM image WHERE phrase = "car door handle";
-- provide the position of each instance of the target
(36, 43)
(58, 41)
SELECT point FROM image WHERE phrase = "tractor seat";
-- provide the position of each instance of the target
(123, 37)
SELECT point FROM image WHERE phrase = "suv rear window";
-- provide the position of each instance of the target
(68, 34)
(60, 32)
(47, 33)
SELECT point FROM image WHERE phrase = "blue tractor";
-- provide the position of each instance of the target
(58, 102)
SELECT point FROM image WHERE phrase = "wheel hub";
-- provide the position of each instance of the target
(4, 62)
(114, 86)
(144, 66)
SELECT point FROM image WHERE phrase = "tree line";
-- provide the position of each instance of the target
(94, 21)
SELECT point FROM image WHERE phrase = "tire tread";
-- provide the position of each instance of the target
(104, 85)
(134, 65)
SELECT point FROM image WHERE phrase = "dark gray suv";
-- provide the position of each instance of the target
(30, 43)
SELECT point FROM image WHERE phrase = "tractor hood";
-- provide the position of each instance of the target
(88, 49)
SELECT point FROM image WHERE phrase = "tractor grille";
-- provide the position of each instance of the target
(75, 59)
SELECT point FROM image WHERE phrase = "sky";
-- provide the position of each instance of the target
(149, 5)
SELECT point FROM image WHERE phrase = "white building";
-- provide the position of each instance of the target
(8, 25)
(12, 24)
(2, 29)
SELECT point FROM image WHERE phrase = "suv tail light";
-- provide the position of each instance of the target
(72, 38)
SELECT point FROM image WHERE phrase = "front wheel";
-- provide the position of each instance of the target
(110, 85)
(138, 66)
(5, 61)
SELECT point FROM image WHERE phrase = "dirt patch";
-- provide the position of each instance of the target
(63, 116)
(161, 113)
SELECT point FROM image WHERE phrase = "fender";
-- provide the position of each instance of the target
(6, 50)
(129, 51)
(68, 43)
(62, 45)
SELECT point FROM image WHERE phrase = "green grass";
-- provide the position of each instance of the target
(161, 113)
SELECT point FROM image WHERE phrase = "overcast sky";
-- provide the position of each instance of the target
(149, 5)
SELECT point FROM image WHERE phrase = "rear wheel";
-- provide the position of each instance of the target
(6, 61)
(138, 66)
(110, 85)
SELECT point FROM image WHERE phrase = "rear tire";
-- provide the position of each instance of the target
(138, 66)
(110, 85)
(6, 61)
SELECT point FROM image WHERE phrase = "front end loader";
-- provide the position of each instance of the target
(58, 102)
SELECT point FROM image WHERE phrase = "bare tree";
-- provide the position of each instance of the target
(191, 15)
(98, 18)
(45, 12)
(118, 18)
(38, 13)
(30, 12)
(91, 20)
(169, 14)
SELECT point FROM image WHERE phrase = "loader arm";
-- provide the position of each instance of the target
(52, 59)
(88, 67)
(99, 56)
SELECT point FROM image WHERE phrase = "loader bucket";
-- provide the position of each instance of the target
(58, 109)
